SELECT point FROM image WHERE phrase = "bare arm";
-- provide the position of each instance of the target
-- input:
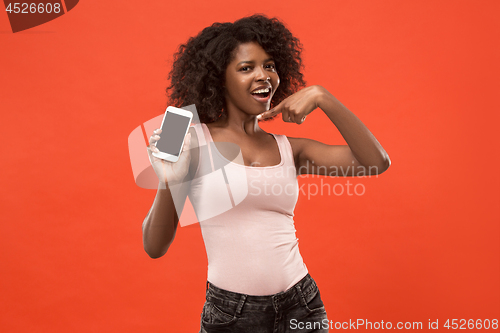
(160, 225)
(362, 151)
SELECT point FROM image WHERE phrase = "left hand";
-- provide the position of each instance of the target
(295, 108)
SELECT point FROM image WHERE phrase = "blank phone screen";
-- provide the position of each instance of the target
(172, 133)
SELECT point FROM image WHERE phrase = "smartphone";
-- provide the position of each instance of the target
(174, 128)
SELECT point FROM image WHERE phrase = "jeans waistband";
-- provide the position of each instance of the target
(302, 292)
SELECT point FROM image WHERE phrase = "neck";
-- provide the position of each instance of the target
(240, 123)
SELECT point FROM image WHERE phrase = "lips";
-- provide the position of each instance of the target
(262, 94)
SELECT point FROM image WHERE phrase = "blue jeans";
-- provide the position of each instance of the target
(297, 310)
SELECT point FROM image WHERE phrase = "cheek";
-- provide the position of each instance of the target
(245, 83)
(276, 83)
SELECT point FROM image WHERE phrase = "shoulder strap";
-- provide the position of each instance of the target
(200, 134)
(203, 137)
(286, 149)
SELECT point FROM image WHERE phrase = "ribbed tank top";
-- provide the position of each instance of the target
(246, 218)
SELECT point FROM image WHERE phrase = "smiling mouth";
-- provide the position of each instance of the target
(262, 93)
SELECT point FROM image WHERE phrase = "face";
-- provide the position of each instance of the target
(251, 80)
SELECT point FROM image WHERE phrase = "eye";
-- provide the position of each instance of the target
(245, 69)
(271, 66)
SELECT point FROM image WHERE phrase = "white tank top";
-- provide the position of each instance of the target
(250, 237)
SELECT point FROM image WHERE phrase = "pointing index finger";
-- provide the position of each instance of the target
(269, 113)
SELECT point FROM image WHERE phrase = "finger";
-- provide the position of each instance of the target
(287, 117)
(270, 113)
(153, 138)
(302, 120)
(153, 149)
(263, 115)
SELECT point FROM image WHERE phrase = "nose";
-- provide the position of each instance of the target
(262, 75)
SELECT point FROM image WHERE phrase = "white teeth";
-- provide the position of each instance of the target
(261, 91)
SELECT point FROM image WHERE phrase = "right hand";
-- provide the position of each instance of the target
(170, 172)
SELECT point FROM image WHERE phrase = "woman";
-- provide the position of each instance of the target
(238, 74)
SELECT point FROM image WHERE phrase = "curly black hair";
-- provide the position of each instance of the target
(198, 72)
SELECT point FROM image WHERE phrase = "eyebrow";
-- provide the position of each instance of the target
(251, 61)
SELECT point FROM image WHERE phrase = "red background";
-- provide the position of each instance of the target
(421, 243)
